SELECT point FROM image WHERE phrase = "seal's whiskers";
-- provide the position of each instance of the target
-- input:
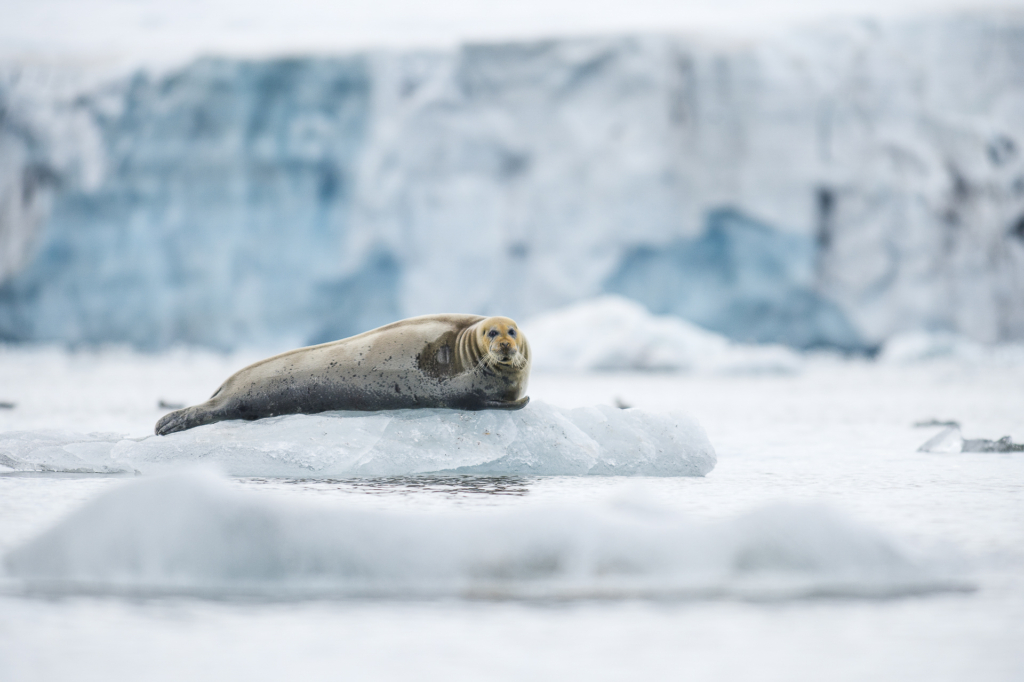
(493, 360)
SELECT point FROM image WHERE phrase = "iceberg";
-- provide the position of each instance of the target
(538, 440)
(930, 346)
(616, 333)
(924, 346)
(950, 441)
(192, 533)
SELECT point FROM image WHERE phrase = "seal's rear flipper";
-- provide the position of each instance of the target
(172, 422)
(182, 420)
(506, 405)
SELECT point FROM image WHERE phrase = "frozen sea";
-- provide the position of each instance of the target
(821, 545)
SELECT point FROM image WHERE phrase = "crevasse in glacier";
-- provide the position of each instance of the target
(872, 174)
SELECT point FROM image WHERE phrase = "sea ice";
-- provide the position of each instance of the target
(540, 439)
(950, 440)
(193, 533)
(615, 333)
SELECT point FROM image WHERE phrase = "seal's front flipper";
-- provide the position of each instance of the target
(505, 404)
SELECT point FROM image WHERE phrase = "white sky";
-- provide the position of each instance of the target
(160, 30)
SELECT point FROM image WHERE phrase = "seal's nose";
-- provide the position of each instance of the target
(505, 346)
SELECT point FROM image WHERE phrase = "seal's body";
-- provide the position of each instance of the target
(465, 362)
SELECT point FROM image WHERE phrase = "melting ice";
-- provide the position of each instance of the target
(194, 533)
(538, 440)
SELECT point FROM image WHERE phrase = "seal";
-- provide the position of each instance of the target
(466, 362)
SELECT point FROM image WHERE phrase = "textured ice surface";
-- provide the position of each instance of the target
(193, 532)
(615, 333)
(234, 201)
(60, 451)
(539, 439)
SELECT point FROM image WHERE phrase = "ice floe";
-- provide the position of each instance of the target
(538, 440)
(950, 440)
(616, 333)
(193, 533)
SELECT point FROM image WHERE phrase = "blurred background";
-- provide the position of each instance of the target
(819, 175)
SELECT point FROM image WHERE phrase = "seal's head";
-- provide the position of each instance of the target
(501, 343)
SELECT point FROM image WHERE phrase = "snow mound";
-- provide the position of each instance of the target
(538, 440)
(912, 347)
(616, 333)
(193, 533)
(919, 347)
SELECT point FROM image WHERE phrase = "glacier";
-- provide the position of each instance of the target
(830, 186)
(193, 533)
(539, 439)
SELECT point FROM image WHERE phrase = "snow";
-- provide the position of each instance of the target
(230, 201)
(196, 533)
(616, 333)
(540, 439)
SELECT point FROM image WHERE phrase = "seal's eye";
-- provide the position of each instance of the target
(512, 333)
(492, 333)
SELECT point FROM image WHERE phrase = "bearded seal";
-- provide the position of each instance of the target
(466, 362)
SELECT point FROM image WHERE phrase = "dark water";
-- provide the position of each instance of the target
(454, 485)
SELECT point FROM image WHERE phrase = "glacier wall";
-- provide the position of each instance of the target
(287, 201)
(219, 217)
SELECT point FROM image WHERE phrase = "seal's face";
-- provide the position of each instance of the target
(502, 342)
